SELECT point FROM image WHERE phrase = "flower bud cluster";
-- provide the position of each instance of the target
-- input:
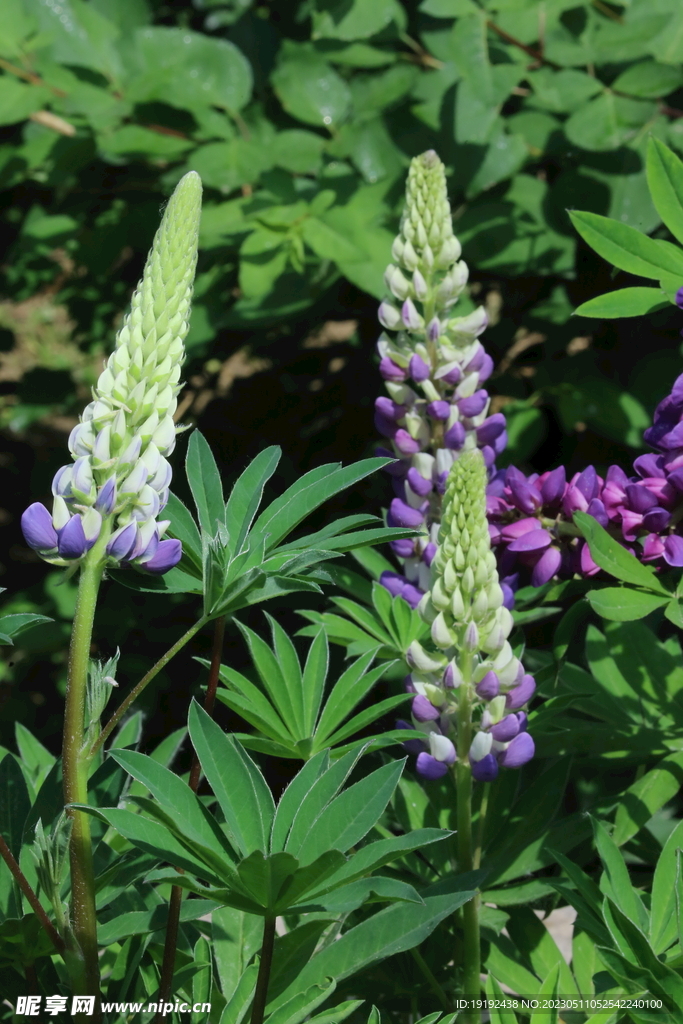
(470, 626)
(434, 368)
(119, 479)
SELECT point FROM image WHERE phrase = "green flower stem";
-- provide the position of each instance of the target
(85, 978)
(30, 895)
(137, 690)
(258, 1010)
(176, 898)
(471, 987)
(486, 789)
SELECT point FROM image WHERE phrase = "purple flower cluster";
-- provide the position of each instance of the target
(501, 740)
(531, 516)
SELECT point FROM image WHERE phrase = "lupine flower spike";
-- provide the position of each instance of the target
(470, 690)
(118, 482)
(434, 369)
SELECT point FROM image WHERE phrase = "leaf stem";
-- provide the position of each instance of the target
(176, 898)
(137, 690)
(261, 992)
(471, 987)
(86, 979)
(31, 896)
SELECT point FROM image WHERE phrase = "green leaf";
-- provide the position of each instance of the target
(189, 69)
(340, 19)
(614, 559)
(310, 89)
(263, 877)
(595, 126)
(315, 674)
(347, 898)
(348, 691)
(498, 1012)
(246, 495)
(622, 604)
(562, 91)
(15, 803)
(184, 528)
(241, 999)
(649, 80)
(349, 817)
(290, 801)
(296, 1009)
(393, 930)
(205, 483)
(615, 882)
(235, 937)
(317, 796)
(282, 690)
(627, 248)
(665, 181)
(326, 242)
(663, 923)
(384, 851)
(298, 151)
(624, 302)
(640, 801)
(666, 982)
(140, 922)
(37, 760)
(238, 785)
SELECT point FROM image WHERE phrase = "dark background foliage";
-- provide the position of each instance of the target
(301, 119)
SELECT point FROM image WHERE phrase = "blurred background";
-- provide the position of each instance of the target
(301, 118)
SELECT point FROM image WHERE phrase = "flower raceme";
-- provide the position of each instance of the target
(470, 626)
(118, 482)
(434, 368)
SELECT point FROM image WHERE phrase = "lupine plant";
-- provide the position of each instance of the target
(126, 879)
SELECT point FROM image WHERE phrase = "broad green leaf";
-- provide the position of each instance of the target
(665, 181)
(614, 559)
(348, 691)
(315, 674)
(317, 797)
(34, 756)
(326, 242)
(615, 881)
(246, 495)
(350, 816)
(667, 983)
(184, 528)
(176, 798)
(15, 803)
(202, 981)
(562, 91)
(355, 20)
(309, 88)
(263, 877)
(14, 624)
(641, 800)
(393, 930)
(623, 302)
(241, 998)
(235, 937)
(140, 922)
(531, 938)
(364, 718)
(205, 483)
(384, 851)
(288, 662)
(309, 493)
(189, 69)
(248, 701)
(347, 898)
(595, 125)
(622, 604)
(297, 1008)
(649, 80)
(310, 877)
(627, 248)
(281, 690)
(663, 923)
(505, 962)
(237, 783)
(498, 1012)
(291, 799)
(550, 1012)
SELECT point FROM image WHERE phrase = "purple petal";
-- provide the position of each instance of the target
(418, 369)
(390, 409)
(36, 525)
(486, 368)
(439, 409)
(72, 540)
(411, 595)
(455, 436)
(418, 483)
(679, 298)
(428, 553)
(423, 710)
(489, 687)
(505, 730)
(406, 444)
(106, 497)
(404, 515)
(640, 499)
(520, 695)
(673, 551)
(473, 405)
(491, 429)
(648, 465)
(393, 582)
(391, 371)
(168, 554)
(485, 770)
(403, 548)
(534, 540)
(657, 519)
(546, 567)
(429, 768)
(520, 751)
(587, 482)
(596, 508)
(412, 746)
(123, 541)
(553, 486)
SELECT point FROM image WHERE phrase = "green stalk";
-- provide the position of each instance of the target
(258, 1010)
(471, 987)
(75, 760)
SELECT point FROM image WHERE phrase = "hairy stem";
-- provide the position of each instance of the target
(168, 965)
(463, 780)
(146, 679)
(75, 771)
(30, 895)
(261, 992)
